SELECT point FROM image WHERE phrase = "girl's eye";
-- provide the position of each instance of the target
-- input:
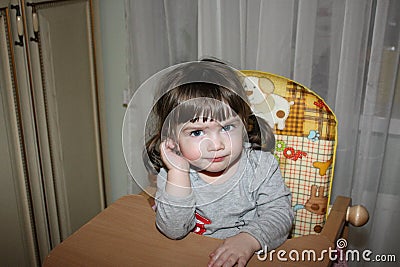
(228, 128)
(197, 133)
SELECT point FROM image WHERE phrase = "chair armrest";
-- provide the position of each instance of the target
(340, 214)
(336, 219)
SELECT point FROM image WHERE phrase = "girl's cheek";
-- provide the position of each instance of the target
(190, 150)
(191, 155)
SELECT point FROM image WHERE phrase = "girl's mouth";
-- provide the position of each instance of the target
(219, 159)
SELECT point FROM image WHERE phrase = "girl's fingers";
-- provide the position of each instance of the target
(164, 152)
(226, 259)
(214, 256)
(169, 144)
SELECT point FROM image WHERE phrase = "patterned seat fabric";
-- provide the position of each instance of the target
(305, 131)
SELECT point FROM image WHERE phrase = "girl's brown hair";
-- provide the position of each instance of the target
(205, 89)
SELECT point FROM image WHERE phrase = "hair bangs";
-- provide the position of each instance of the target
(203, 109)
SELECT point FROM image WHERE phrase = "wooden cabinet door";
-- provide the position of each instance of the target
(68, 106)
(54, 165)
(22, 236)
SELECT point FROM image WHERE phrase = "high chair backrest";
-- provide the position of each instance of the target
(306, 133)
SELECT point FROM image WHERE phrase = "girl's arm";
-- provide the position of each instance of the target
(275, 214)
(175, 215)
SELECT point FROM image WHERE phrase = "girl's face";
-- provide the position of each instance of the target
(211, 146)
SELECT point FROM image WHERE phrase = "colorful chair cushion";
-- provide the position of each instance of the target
(306, 133)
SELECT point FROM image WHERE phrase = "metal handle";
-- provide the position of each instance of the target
(20, 25)
(35, 23)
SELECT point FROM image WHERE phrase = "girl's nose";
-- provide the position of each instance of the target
(216, 143)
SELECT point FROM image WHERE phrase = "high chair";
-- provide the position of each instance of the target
(306, 133)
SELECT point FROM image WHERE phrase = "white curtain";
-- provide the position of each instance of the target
(345, 50)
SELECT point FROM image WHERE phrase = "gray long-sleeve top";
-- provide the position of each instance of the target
(255, 201)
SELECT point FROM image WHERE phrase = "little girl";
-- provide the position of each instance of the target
(215, 174)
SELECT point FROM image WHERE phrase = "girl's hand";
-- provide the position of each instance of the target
(171, 159)
(237, 249)
(178, 170)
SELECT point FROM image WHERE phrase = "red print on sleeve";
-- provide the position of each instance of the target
(200, 224)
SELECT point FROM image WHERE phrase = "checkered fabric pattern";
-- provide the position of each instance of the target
(300, 175)
(309, 112)
(305, 149)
